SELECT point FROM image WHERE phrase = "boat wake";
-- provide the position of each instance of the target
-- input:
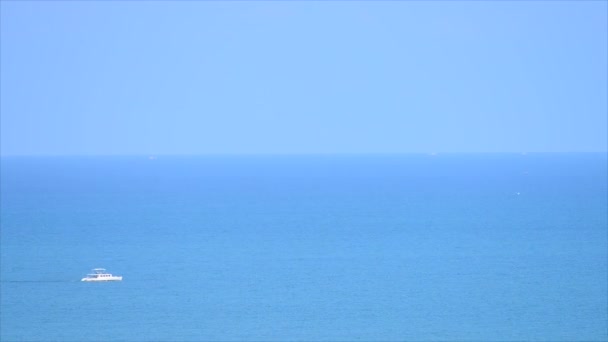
(39, 281)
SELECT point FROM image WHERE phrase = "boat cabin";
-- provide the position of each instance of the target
(98, 275)
(101, 275)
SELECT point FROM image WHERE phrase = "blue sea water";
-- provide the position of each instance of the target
(481, 247)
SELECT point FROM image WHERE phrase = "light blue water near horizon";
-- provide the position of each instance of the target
(320, 248)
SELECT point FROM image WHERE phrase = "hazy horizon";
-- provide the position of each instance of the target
(236, 154)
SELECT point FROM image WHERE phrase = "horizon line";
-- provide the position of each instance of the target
(244, 154)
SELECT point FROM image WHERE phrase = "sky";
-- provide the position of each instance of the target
(290, 77)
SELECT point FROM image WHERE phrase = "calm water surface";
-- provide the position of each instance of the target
(322, 248)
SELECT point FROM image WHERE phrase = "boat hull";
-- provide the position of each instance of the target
(102, 279)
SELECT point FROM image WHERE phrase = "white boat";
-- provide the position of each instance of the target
(99, 274)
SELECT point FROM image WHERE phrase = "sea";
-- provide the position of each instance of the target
(411, 247)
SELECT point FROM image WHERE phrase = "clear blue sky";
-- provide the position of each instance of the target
(91, 78)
